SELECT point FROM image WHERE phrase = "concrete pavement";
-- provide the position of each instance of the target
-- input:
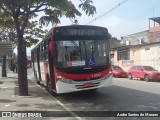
(37, 101)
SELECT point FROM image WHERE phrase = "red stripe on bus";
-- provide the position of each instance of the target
(82, 76)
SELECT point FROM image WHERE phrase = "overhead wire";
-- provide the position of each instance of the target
(115, 7)
(142, 14)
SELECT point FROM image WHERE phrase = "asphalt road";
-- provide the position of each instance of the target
(124, 95)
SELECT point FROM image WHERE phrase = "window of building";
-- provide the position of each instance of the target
(123, 54)
(134, 53)
(157, 39)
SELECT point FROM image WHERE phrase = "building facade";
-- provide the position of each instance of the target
(136, 38)
(141, 48)
(146, 54)
(148, 36)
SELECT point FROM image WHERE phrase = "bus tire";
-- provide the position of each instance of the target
(37, 81)
(49, 89)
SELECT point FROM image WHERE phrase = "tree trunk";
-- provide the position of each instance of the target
(21, 59)
(22, 68)
(4, 73)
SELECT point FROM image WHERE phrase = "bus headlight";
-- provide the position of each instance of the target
(58, 77)
(66, 80)
(107, 76)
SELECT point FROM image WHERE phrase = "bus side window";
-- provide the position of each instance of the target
(35, 56)
(42, 51)
(45, 50)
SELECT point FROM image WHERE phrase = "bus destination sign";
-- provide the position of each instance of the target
(82, 32)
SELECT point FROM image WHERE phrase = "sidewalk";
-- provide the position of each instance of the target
(38, 99)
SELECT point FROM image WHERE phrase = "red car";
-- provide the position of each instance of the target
(118, 72)
(144, 72)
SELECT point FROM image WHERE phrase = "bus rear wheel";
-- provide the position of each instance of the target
(37, 81)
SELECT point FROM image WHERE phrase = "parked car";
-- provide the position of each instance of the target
(118, 72)
(144, 72)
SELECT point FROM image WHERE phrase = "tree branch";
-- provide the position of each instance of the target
(40, 10)
(81, 1)
(5, 10)
(16, 21)
(25, 22)
(38, 7)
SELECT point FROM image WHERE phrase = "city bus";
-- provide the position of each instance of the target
(73, 58)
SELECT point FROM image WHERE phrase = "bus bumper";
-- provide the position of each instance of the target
(63, 87)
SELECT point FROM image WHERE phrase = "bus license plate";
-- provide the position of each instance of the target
(88, 84)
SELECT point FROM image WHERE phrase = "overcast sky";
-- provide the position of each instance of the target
(130, 17)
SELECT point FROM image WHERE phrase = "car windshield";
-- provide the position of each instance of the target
(148, 68)
(81, 53)
(116, 68)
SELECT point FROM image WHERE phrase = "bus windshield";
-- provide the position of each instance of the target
(81, 53)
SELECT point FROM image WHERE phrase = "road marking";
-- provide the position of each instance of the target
(7, 105)
(54, 99)
(3, 87)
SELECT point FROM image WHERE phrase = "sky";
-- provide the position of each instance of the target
(130, 17)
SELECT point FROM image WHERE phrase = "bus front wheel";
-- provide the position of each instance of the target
(49, 89)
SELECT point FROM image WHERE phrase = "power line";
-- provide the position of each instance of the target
(141, 14)
(108, 11)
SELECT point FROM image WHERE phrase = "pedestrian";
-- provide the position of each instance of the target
(16, 67)
(13, 67)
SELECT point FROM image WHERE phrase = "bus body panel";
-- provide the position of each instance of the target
(42, 71)
(85, 77)
(79, 82)
(36, 70)
(79, 86)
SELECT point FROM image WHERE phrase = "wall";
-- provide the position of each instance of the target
(135, 54)
(135, 58)
(150, 55)
(154, 37)
(137, 38)
(120, 62)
